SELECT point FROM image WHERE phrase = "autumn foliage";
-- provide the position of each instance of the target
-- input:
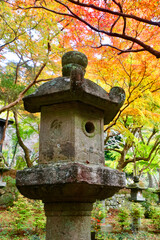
(121, 41)
(131, 26)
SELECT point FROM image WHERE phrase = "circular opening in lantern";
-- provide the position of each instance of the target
(89, 127)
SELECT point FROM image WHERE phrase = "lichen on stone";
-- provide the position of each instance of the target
(73, 59)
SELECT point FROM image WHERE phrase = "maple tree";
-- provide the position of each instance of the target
(139, 145)
(138, 120)
(28, 36)
(130, 26)
(34, 40)
(120, 39)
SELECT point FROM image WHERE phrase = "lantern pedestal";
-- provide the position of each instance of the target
(68, 192)
(68, 220)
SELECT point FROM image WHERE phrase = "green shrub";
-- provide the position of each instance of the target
(137, 211)
(21, 209)
(39, 216)
(98, 213)
(147, 207)
(25, 211)
(150, 195)
(10, 192)
(155, 216)
(126, 236)
(150, 201)
(123, 217)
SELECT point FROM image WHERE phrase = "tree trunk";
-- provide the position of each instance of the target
(150, 178)
(21, 143)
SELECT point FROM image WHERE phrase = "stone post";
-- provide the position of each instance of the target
(69, 220)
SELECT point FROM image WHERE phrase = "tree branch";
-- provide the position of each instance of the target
(23, 146)
(144, 168)
(156, 144)
(114, 149)
(121, 14)
(154, 131)
(12, 104)
(6, 44)
(144, 46)
(141, 136)
(124, 18)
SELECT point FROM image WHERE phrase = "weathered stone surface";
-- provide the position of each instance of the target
(68, 221)
(69, 182)
(71, 132)
(74, 57)
(73, 60)
(58, 90)
(117, 94)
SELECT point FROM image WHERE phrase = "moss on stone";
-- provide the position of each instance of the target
(75, 57)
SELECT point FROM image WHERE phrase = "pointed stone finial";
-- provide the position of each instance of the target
(73, 60)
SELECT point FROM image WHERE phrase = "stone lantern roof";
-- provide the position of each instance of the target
(62, 89)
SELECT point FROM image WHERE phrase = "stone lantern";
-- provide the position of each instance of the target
(3, 168)
(136, 191)
(136, 196)
(71, 175)
(2, 125)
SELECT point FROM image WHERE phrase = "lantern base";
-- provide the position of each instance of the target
(68, 221)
